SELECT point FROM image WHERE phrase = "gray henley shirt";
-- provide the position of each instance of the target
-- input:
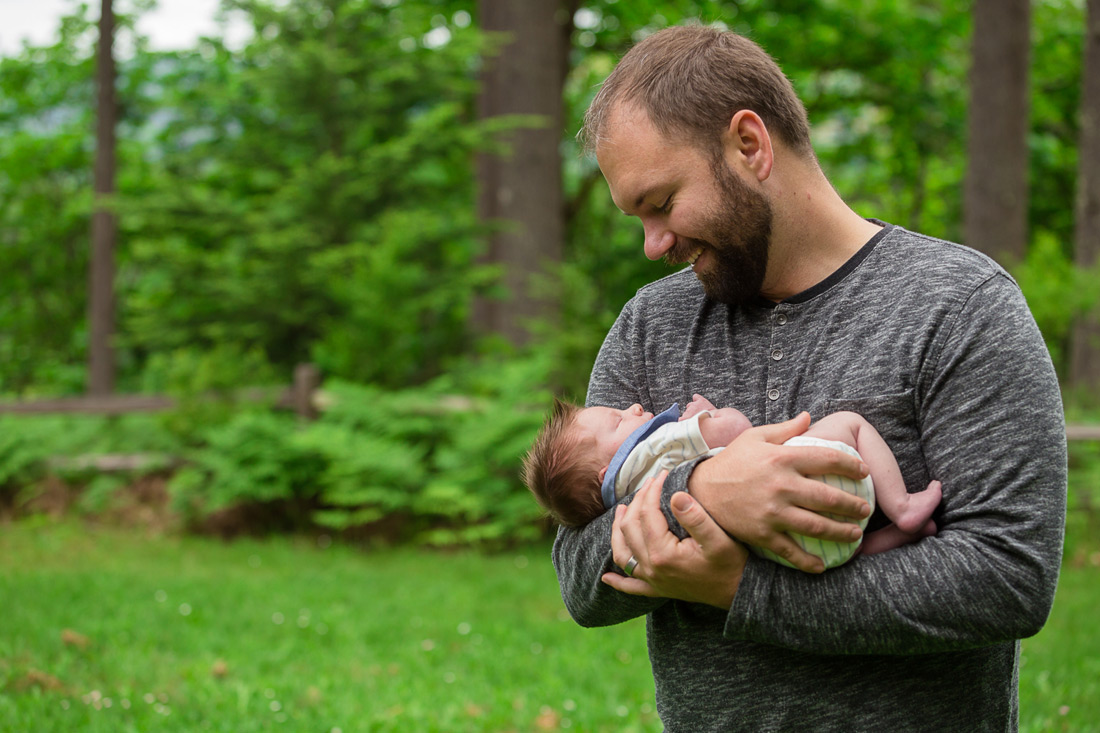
(933, 343)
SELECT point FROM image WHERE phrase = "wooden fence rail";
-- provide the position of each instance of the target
(300, 397)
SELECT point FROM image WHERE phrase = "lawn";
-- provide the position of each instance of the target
(117, 630)
(104, 630)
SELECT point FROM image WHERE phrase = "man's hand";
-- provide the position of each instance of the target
(757, 490)
(704, 568)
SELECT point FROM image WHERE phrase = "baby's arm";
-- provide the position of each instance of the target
(910, 512)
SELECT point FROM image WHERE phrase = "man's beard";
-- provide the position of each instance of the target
(739, 235)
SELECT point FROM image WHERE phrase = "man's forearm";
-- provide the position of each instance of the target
(581, 557)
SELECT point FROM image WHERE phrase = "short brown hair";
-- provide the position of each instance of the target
(691, 80)
(561, 469)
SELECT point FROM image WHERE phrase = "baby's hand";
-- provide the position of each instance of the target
(698, 404)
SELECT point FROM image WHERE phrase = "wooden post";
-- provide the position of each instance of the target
(1084, 361)
(101, 272)
(520, 193)
(995, 194)
(307, 380)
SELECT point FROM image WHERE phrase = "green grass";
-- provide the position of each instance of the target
(111, 630)
(190, 634)
(1060, 667)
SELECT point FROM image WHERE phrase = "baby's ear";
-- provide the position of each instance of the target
(603, 472)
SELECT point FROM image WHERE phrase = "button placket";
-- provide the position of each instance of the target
(776, 365)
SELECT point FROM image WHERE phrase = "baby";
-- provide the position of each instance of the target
(585, 460)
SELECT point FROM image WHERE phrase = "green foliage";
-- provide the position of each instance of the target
(376, 443)
(447, 459)
(22, 461)
(476, 483)
(45, 204)
(1057, 58)
(311, 197)
(207, 386)
(251, 459)
(46, 126)
(314, 194)
(1057, 291)
(436, 464)
(29, 442)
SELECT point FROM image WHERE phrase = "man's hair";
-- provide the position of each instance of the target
(691, 80)
(561, 469)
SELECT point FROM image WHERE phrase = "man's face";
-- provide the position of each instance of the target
(694, 209)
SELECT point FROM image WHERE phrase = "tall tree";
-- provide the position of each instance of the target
(312, 195)
(1084, 367)
(995, 199)
(520, 189)
(101, 306)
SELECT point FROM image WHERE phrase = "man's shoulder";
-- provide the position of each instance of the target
(679, 292)
(682, 281)
(932, 258)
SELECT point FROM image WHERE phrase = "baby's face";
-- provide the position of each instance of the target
(610, 427)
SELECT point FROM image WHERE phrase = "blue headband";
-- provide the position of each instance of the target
(672, 414)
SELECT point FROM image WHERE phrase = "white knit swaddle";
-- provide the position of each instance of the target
(832, 553)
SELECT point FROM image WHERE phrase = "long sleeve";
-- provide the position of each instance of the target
(992, 431)
(581, 556)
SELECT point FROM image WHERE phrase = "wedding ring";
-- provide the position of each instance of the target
(630, 565)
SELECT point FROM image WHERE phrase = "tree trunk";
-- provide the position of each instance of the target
(1084, 366)
(520, 192)
(101, 361)
(995, 199)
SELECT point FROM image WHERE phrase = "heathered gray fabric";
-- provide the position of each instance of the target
(932, 343)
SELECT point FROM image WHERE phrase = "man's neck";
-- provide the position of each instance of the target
(813, 234)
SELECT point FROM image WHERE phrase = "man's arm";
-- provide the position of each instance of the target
(644, 526)
(582, 555)
(993, 429)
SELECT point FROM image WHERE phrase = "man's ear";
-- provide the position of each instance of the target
(603, 472)
(748, 145)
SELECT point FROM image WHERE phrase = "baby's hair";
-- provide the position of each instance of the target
(560, 469)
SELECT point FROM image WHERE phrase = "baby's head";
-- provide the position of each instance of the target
(565, 467)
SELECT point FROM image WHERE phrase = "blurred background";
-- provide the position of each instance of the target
(315, 268)
(386, 198)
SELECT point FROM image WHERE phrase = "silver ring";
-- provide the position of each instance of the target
(630, 565)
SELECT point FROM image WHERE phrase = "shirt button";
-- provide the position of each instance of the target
(777, 354)
(781, 319)
(773, 394)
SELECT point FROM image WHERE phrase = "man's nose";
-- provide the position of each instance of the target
(658, 239)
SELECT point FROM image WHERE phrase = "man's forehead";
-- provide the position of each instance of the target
(633, 158)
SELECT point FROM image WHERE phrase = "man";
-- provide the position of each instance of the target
(795, 303)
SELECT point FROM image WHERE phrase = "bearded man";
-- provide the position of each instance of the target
(792, 303)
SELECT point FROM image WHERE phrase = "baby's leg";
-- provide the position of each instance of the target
(910, 512)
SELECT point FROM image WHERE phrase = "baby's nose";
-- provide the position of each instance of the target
(636, 409)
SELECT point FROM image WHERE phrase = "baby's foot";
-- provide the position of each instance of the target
(919, 508)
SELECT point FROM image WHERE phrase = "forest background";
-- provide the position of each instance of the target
(317, 196)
